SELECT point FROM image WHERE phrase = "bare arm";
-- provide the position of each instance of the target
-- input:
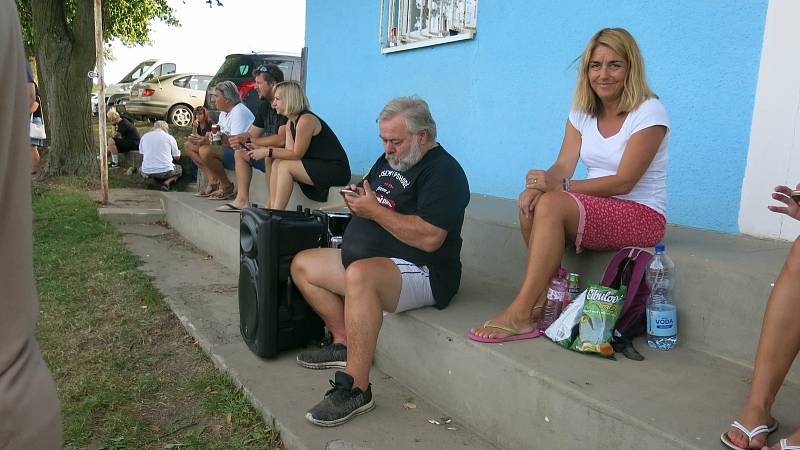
(408, 229)
(540, 181)
(296, 148)
(273, 140)
(32, 95)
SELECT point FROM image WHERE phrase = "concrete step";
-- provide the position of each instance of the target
(722, 283)
(202, 293)
(130, 206)
(258, 192)
(537, 392)
(533, 393)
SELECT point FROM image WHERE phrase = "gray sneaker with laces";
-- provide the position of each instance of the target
(341, 403)
(330, 356)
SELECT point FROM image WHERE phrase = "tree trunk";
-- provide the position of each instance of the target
(65, 53)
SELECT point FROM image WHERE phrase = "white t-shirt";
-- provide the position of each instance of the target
(603, 155)
(237, 121)
(158, 148)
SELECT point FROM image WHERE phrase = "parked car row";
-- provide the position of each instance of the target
(239, 68)
(154, 91)
(171, 97)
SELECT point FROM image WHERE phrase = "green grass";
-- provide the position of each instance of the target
(128, 374)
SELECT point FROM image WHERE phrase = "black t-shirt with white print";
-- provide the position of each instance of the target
(435, 189)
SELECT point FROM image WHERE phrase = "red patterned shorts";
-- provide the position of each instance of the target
(609, 223)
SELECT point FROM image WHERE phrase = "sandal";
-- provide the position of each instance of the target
(786, 446)
(513, 334)
(223, 193)
(208, 190)
(750, 434)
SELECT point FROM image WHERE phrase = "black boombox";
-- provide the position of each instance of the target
(273, 315)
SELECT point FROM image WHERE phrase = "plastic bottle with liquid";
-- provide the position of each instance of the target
(662, 315)
(555, 298)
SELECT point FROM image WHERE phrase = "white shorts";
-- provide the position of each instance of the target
(416, 289)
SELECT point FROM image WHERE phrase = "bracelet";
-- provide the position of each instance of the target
(270, 153)
(565, 185)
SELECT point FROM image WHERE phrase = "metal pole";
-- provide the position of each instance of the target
(101, 99)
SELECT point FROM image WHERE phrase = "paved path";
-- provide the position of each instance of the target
(202, 293)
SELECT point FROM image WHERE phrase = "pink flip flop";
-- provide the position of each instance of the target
(514, 334)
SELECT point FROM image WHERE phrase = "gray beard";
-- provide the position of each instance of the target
(402, 164)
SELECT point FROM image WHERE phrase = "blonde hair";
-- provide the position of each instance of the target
(635, 89)
(112, 115)
(294, 99)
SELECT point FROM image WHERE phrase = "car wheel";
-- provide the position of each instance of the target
(180, 115)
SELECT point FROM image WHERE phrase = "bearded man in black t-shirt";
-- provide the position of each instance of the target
(266, 131)
(400, 251)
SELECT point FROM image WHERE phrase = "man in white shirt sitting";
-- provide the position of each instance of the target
(234, 119)
(159, 154)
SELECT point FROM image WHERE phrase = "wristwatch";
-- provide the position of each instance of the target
(269, 154)
(565, 185)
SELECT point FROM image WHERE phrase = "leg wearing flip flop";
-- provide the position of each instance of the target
(555, 219)
(212, 158)
(203, 156)
(244, 174)
(777, 348)
(283, 176)
(372, 287)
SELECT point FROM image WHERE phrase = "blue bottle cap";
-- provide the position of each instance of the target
(660, 248)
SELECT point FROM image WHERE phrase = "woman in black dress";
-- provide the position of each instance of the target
(313, 155)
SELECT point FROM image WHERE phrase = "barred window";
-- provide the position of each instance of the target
(407, 24)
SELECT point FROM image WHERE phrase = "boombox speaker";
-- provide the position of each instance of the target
(273, 315)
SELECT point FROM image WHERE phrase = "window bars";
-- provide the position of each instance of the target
(415, 23)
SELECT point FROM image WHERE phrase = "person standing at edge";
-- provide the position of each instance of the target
(30, 416)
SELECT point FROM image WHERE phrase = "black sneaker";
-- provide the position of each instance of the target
(341, 403)
(328, 356)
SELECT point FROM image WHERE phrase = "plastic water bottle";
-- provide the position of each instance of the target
(662, 317)
(555, 297)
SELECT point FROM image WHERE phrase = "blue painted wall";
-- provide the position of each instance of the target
(501, 100)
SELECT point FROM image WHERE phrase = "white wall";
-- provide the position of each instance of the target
(774, 153)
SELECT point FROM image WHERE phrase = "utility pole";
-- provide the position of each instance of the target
(101, 99)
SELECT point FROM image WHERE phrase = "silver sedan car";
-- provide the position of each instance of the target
(171, 97)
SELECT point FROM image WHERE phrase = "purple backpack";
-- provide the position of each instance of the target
(629, 268)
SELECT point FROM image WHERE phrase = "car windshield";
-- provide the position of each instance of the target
(235, 66)
(137, 71)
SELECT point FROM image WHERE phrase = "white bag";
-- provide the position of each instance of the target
(561, 329)
(37, 128)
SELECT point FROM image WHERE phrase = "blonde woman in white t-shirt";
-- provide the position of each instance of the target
(620, 131)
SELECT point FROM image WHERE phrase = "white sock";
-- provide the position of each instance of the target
(114, 158)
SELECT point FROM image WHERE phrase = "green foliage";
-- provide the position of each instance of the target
(126, 20)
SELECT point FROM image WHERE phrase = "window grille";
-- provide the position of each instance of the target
(407, 24)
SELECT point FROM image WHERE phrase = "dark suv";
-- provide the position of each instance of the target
(239, 69)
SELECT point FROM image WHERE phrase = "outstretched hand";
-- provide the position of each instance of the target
(365, 204)
(783, 194)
